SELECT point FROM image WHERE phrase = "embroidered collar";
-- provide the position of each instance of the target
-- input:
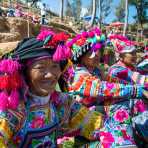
(38, 100)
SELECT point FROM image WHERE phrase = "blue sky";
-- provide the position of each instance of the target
(55, 6)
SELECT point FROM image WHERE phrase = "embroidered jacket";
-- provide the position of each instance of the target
(120, 73)
(117, 127)
(34, 125)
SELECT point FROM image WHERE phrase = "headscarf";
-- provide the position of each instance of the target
(121, 44)
(92, 40)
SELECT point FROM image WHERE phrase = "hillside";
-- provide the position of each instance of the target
(14, 29)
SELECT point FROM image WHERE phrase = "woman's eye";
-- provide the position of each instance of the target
(39, 67)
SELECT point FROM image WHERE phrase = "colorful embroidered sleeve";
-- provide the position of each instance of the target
(10, 123)
(77, 119)
(87, 121)
(88, 85)
(5, 128)
(123, 75)
(82, 121)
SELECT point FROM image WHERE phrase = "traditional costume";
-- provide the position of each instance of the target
(117, 128)
(121, 73)
(27, 120)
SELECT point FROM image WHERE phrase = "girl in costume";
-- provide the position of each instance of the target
(32, 113)
(124, 71)
(87, 48)
(117, 127)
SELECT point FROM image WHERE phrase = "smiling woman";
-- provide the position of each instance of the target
(31, 106)
(44, 75)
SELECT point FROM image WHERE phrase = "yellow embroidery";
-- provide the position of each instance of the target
(78, 118)
(4, 128)
(94, 122)
(2, 143)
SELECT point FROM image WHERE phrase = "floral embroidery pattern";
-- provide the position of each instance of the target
(38, 122)
(121, 115)
(106, 139)
(139, 107)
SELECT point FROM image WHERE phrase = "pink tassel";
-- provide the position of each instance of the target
(97, 31)
(58, 55)
(69, 44)
(43, 34)
(9, 66)
(13, 99)
(67, 52)
(62, 52)
(3, 101)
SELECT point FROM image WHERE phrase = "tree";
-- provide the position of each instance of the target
(126, 17)
(78, 9)
(61, 9)
(93, 13)
(120, 11)
(105, 9)
(100, 18)
(75, 8)
(141, 7)
(68, 9)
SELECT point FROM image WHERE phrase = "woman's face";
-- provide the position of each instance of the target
(43, 76)
(90, 62)
(129, 58)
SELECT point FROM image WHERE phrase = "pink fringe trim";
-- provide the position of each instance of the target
(9, 66)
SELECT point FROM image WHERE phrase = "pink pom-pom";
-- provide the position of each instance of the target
(78, 37)
(97, 31)
(43, 34)
(3, 101)
(68, 52)
(91, 34)
(13, 99)
(84, 34)
(9, 66)
(74, 40)
(58, 54)
(96, 47)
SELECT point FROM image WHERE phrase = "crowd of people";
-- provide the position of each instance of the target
(99, 104)
(18, 11)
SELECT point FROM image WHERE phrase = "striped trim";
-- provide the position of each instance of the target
(38, 134)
